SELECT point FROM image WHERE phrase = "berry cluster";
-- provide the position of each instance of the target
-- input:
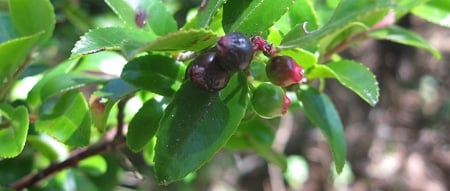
(212, 69)
(269, 99)
(232, 53)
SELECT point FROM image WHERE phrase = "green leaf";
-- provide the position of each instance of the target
(94, 165)
(435, 11)
(191, 39)
(303, 11)
(116, 89)
(65, 82)
(100, 110)
(303, 57)
(34, 96)
(43, 146)
(404, 36)
(7, 29)
(144, 124)
(252, 17)
(114, 38)
(195, 125)
(32, 17)
(366, 11)
(155, 73)
(207, 13)
(353, 75)
(150, 15)
(321, 112)
(14, 134)
(69, 121)
(14, 52)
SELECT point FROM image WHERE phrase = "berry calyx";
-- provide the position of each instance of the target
(284, 71)
(269, 100)
(259, 44)
(235, 51)
(206, 73)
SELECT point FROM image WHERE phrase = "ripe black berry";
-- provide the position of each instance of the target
(206, 73)
(284, 71)
(235, 51)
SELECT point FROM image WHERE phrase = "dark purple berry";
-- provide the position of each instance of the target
(235, 52)
(284, 71)
(207, 74)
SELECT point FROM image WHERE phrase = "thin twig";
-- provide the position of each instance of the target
(106, 145)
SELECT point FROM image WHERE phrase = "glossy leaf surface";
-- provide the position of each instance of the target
(154, 73)
(144, 124)
(193, 130)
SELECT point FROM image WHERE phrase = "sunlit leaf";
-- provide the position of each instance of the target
(14, 52)
(114, 38)
(150, 15)
(69, 121)
(191, 39)
(32, 17)
(252, 17)
(13, 134)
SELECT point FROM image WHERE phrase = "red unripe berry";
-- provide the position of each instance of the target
(284, 71)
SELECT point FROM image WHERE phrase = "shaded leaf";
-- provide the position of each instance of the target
(7, 29)
(116, 89)
(65, 82)
(144, 124)
(404, 36)
(32, 17)
(155, 73)
(69, 121)
(321, 112)
(195, 125)
(13, 136)
(252, 17)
